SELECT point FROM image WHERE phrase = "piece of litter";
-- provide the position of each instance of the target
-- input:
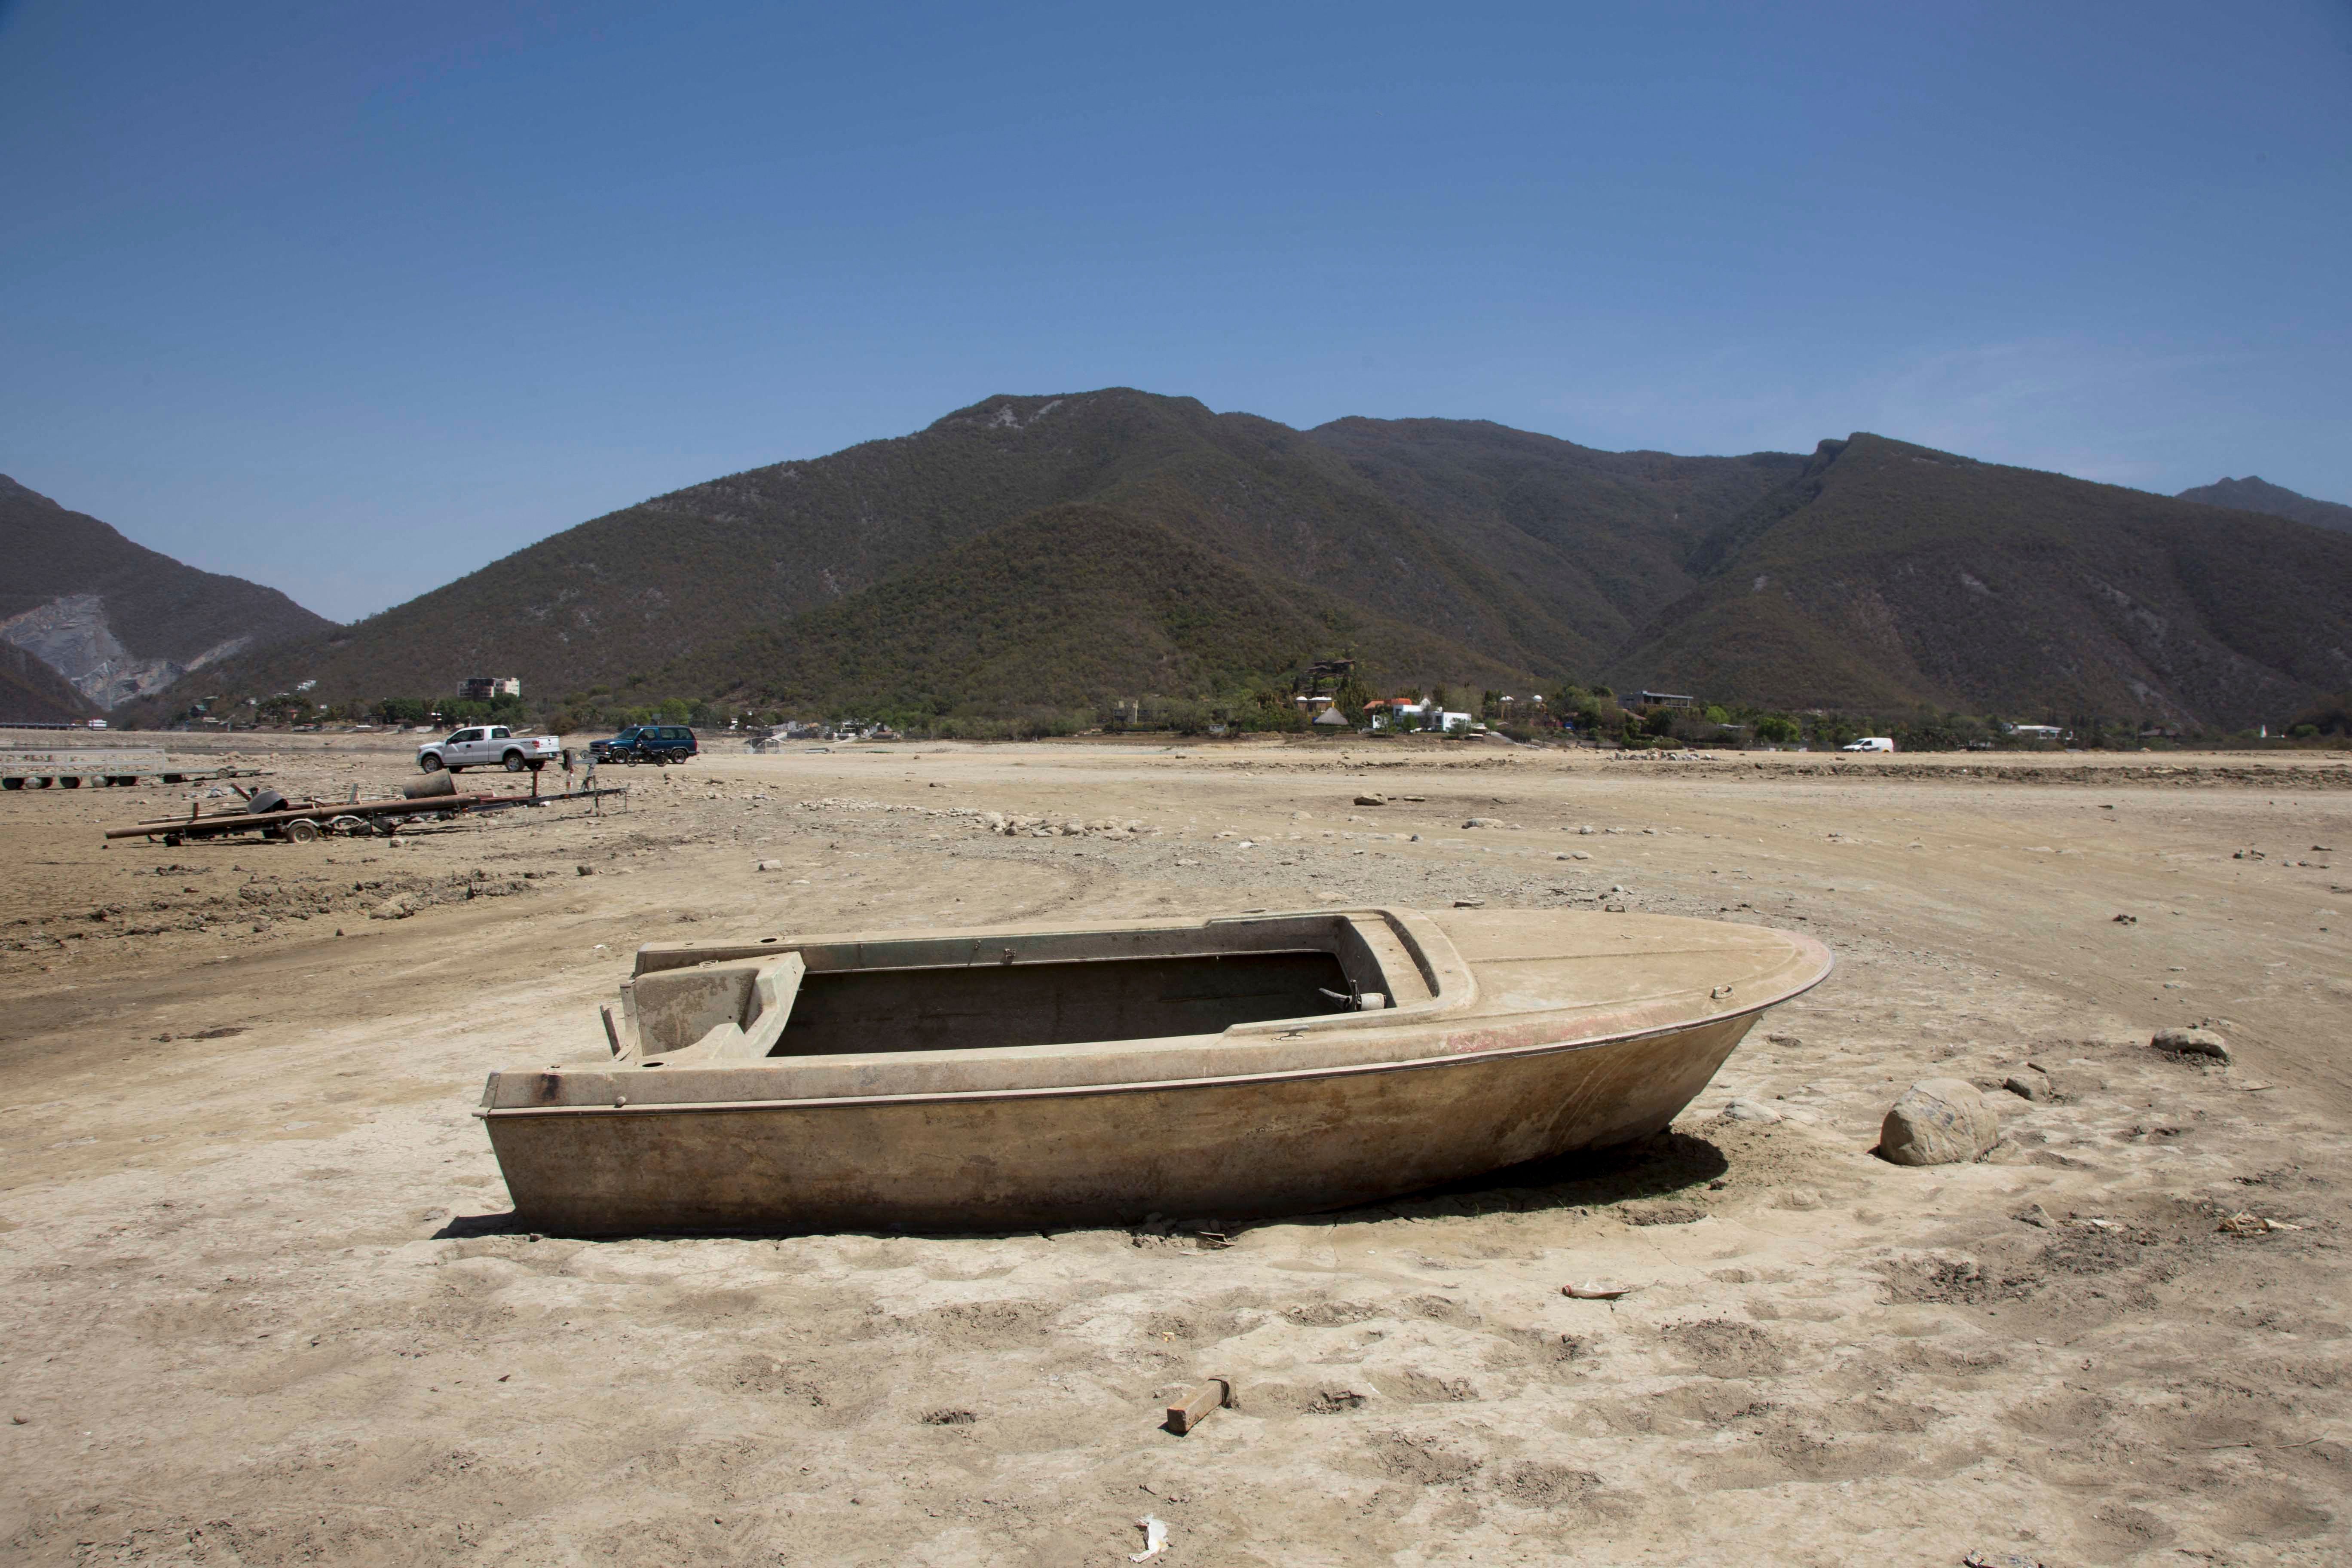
(2243, 1224)
(1595, 1290)
(1199, 1402)
(1155, 1538)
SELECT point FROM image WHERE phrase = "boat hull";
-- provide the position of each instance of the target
(1243, 1147)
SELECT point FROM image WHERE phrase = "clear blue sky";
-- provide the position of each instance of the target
(352, 298)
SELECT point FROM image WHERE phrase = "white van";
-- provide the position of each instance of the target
(1869, 743)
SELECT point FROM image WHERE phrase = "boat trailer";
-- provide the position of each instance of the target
(269, 815)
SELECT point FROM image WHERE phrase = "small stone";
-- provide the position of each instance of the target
(2036, 1215)
(1578, 855)
(1595, 1290)
(1749, 1111)
(1938, 1122)
(1371, 800)
(2028, 1085)
(1587, 828)
(583, 870)
(770, 866)
(1483, 822)
(1469, 903)
(2198, 1042)
(2126, 920)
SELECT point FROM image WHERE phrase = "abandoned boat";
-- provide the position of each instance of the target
(1005, 1080)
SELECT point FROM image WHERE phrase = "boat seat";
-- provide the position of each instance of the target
(710, 1012)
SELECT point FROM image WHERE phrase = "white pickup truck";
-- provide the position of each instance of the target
(489, 745)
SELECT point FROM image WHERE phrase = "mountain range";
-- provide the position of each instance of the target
(1068, 551)
(113, 620)
(2252, 494)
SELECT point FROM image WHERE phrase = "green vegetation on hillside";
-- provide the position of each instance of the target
(1907, 576)
(2252, 494)
(1073, 609)
(1029, 559)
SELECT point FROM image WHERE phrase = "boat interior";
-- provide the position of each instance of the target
(733, 1004)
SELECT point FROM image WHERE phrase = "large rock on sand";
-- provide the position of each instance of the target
(1938, 1122)
(2192, 1042)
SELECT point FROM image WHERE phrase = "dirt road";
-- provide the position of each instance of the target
(268, 1309)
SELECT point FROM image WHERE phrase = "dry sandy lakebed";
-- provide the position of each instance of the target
(267, 1306)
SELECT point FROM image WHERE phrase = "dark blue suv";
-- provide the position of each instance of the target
(646, 744)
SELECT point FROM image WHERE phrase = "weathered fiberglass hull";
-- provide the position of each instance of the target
(1459, 1043)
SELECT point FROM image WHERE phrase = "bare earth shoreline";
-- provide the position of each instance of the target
(269, 1310)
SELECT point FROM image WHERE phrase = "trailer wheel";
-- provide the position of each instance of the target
(302, 831)
(12, 781)
(72, 781)
(513, 761)
(171, 841)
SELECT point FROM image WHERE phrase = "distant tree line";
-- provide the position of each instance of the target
(1269, 704)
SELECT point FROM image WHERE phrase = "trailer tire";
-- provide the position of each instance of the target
(513, 761)
(171, 841)
(302, 831)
